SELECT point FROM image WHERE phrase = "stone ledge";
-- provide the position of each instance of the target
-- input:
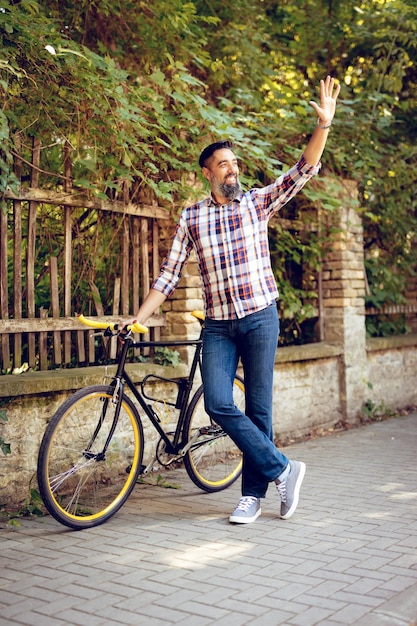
(308, 352)
(389, 343)
(34, 383)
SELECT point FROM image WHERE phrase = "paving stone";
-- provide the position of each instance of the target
(348, 556)
(402, 606)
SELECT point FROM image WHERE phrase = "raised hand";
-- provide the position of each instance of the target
(328, 97)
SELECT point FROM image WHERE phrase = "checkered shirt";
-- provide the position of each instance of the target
(231, 242)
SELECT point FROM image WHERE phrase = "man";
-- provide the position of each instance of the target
(228, 231)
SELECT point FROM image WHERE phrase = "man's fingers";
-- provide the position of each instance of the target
(332, 86)
(327, 86)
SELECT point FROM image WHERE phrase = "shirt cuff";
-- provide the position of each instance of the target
(164, 287)
(305, 168)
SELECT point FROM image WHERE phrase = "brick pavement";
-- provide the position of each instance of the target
(348, 556)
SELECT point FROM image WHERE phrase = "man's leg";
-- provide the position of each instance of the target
(263, 462)
(259, 337)
(220, 357)
(257, 341)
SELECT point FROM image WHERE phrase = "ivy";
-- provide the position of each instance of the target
(136, 89)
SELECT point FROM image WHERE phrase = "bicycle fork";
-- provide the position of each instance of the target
(117, 401)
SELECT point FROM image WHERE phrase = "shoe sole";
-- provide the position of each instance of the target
(244, 520)
(297, 488)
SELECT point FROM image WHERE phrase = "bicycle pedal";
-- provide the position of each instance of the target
(210, 430)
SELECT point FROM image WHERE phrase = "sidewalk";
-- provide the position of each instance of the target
(348, 556)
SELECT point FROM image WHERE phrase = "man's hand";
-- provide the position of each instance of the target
(327, 107)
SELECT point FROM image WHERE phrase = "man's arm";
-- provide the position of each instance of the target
(325, 112)
(169, 275)
(151, 303)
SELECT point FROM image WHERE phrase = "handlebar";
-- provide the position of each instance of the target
(134, 328)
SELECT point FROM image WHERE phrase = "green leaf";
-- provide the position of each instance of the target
(158, 77)
(5, 447)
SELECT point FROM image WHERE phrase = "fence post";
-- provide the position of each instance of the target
(344, 303)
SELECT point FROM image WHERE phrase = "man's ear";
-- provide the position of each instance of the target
(206, 173)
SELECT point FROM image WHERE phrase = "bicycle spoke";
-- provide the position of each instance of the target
(59, 479)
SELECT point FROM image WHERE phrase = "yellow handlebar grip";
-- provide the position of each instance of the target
(135, 327)
(95, 323)
(138, 328)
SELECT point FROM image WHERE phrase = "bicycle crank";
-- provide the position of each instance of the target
(163, 457)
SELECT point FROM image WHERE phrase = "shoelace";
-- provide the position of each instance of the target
(245, 503)
(282, 490)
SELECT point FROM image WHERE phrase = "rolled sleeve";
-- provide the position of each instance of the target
(273, 197)
(173, 264)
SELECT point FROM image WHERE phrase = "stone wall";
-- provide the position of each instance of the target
(392, 372)
(308, 396)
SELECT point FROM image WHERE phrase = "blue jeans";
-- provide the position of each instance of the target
(254, 340)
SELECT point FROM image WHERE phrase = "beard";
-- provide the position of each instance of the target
(229, 190)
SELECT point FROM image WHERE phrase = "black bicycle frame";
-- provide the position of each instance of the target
(186, 383)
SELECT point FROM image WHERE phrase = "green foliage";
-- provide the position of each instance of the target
(385, 325)
(162, 356)
(166, 356)
(5, 447)
(295, 258)
(372, 412)
(158, 481)
(132, 122)
(137, 88)
(387, 286)
(32, 507)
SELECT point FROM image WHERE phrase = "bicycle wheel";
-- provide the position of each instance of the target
(82, 482)
(214, 461)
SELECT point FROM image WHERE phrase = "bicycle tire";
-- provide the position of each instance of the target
(213, 462)
(80, 489)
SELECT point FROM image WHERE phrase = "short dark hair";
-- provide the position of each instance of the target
(211, 149)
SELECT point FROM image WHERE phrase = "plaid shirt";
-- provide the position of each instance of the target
(231, 242)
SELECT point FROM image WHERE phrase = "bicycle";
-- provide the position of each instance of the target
(91, 454)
